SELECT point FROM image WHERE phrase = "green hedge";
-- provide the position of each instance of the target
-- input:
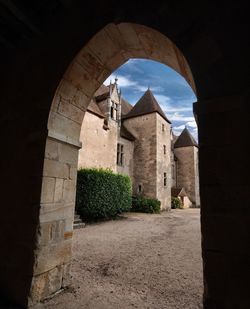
(102, 194)
(176, 203)
(143, 204)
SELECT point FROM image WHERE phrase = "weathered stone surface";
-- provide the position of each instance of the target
(163, 162)
(67, 109)
(82, 79)
(69, 191)
(120, 58)
(67, 277)
(48, 188)
(46, 284)
(187, 172)
(150, 163)
(52, 255)
(68, 91)
(52, 149)
(128, 163)
(64, 125)
(56, 211)
(99, 145)
(68, 154)
(58, 194)
(131, 40)
(51, 232)
(56, 169)
(103, 46)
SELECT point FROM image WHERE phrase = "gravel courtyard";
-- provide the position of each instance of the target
(144, 261)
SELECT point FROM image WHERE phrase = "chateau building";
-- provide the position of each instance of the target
(138, 141)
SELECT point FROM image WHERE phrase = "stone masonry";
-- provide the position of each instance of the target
(144, 133)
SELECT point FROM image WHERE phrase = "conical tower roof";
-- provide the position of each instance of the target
(147, 104)
(185, 140)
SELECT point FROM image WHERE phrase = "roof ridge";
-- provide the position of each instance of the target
(145, 105)
(185, 139)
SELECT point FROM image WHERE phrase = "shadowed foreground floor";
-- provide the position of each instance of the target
(144, 261)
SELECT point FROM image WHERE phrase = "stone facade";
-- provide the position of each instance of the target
(163, 161)
(138, 141)
(186, 164)
(97, 143)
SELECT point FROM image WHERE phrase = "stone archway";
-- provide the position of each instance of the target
(106, 51)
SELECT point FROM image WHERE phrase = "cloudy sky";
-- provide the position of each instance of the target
(170, 90)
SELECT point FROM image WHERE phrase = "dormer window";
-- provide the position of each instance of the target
(114, 111)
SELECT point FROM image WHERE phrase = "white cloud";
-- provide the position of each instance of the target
(126, 81)
(131, 64)
(123, 81)
(140, 88)
(162, 99)
(154, 89)
(177, 131)
(179, 128)
(191, 124)
(187, 102)
(170, 106)
(180, 117)
(171, 109)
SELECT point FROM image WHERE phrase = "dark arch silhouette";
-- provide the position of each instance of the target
(37, 44)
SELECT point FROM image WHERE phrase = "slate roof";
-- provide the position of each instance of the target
(185, 140)
(101, 93)
(126, 134)
(147, 104)
(94, 109)
(101, 90)
(175, 137)
(126, 107)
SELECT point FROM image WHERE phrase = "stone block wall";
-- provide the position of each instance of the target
(99, 145)
(128, 164)
(145, 153)
(197, 178)
(187, 172)
(163, 162)
(53, 253)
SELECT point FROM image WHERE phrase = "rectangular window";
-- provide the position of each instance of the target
(165, 179)
(163, 127)
(120, 154)
(164, 149)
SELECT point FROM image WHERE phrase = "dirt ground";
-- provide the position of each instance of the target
(144, 261)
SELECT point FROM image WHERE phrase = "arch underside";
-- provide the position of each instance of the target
(106, 51)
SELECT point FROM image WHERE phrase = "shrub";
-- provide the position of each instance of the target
(176, 203)
(143, 204)
(102, 194)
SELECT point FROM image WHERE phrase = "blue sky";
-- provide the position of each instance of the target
(170, 89)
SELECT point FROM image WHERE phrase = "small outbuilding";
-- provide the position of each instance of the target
(181, 194)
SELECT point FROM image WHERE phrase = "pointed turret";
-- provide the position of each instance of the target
(147, 104)
(185, 140)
